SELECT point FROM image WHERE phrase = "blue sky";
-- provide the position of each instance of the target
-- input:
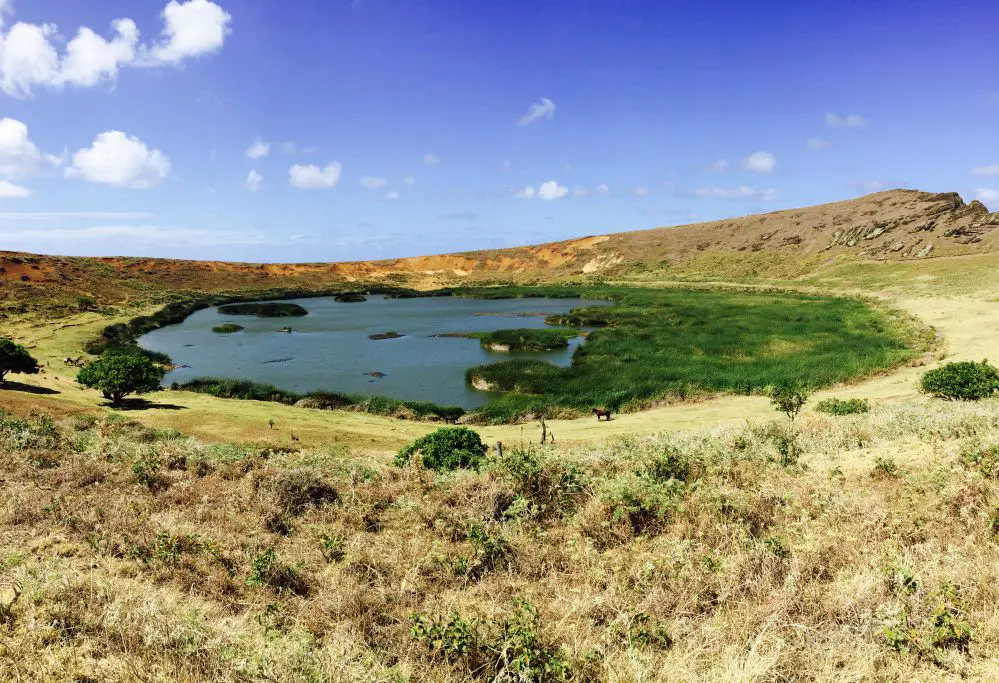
(313, 130)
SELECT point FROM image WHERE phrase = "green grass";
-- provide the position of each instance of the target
(673, 344)
(227, 328)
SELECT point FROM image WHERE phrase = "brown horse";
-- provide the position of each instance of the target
(600, 412)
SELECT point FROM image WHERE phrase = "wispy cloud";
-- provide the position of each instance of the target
(817, 143)
(848, 121)
(545, 109)
(431, 159)
(741, 192)
(253, 181)
(259, 149)
(985, 171)
(760, 162)
(720, 166)
(548, 191)
(987, 196)
(373, 183)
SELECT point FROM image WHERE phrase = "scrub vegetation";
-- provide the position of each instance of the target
(524, 339)
(227, 328)
(690, 556)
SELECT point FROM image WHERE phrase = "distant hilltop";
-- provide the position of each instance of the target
(895, 225)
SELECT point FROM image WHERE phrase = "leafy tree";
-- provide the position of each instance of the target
(119, 375)
(449, 448)
(788, 400)
(963, 381)
(16, 359)
(86, 303)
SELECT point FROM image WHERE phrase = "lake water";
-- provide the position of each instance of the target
(330, 350)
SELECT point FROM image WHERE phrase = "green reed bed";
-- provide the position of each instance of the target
(673, 344)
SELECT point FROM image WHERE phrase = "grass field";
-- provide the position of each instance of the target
(131, 553)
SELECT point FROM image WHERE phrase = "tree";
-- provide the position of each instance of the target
(86, 303)
(119, 375)
(16, 359)
(788, 400)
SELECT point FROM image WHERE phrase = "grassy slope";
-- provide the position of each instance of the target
(745, 570)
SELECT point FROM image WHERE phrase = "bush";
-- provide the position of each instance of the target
(119, 375)
(227, 328)
(838, 406)
(449, 448)
(86, 303)
(963, 381)
(15, 358)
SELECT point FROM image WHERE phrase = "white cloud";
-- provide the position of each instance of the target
(431, 159)
(312, 177)
(30, 58)
(760, 162)
(985, 171)
(641, 191)
(9, 190)
(120, 160)
(253, 181)
(987, 196)
(18, 154)
(259, 149)
(552, 190)
(720, 166)
(549, 191)
(90, 58)
(603, 189)
(288, 148)
(373, 183)
(410, 180)
(545, 109)
(849, 121)
(191, 29)
(392, 194)
(741, 192)
(580, 192)
(816, 143)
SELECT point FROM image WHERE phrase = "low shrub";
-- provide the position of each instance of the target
(962, 381)
(839, 406)
(982, 458)
(511, 649)
(227, 328)
(449, 448)
(546, 486)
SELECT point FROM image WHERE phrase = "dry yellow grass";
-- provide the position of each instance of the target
(129, 555)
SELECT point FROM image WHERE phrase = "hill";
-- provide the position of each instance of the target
(892, 226)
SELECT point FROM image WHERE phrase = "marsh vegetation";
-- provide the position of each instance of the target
(268, 309)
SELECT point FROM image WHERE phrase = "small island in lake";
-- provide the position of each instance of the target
(264, 310)
(350, 298)
(522, 339)
(385, 335)
(227, 328)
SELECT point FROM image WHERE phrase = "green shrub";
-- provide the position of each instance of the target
(448, 448)
(839, 406)
(668, 464)
(962, 381)
(14, 358)
(512, 650)
(119, 375)
(227, 328)
(982, 458)
(546, 486)
(86, 303)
